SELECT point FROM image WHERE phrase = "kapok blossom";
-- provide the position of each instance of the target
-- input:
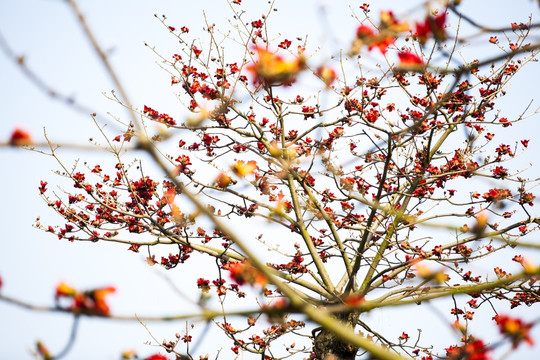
(473, 350)
(243, 272)
(20, 137)
(327, 74)
(91, 301)
(381, 38)
(272, 70)
(515, 329)
(241, 168)
(407, 58)
(433, 26)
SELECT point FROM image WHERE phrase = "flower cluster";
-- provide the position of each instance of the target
(88, 302)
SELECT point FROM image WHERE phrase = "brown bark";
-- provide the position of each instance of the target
(327, 346)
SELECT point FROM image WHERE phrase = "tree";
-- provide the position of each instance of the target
(372, 186)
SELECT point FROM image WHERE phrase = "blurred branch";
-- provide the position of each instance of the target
(40, 145)
(41, 84)
(484, 28)
(435, 293)
(110, 71)
(533, 49)
(71, 341)
(205, 314)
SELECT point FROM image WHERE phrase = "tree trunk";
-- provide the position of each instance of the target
(327, 346)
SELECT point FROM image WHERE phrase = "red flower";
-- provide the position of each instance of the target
(354, 300)
(505, 122)
(389, 28)
(154, 115)
(285, 44)
(42, 187)
(364, 31)
(134, 247)
(407, 58)
(242, 272)
(526, 198)
(432, 26)
(157, 357)
(257, 24)
(475, 350)
(20, 137)
(500, 172)
(497, 194)
(382, 43)
(186, 338)
(203, 284)
(196, 51)
(515, 329)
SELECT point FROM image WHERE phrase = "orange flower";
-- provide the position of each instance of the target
(92, 301)
(64, 289)
(129, 354)
(283, 205)
(98, 296)
(276, 303)
(241, 168)
(222, 180)
(272, 70)
(243, 272)
(389, 29)
(327, 74)
(426, 273)
(391, 24)
(481, 223)
(169, 196)
(515, 329)
(43, 351)
(20, 137)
